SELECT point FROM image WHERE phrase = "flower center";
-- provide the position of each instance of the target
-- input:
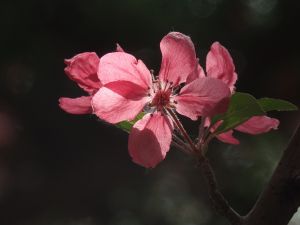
(161, 99)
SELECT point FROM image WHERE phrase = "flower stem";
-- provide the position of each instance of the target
(181, 144)
(201, 130)
(217, 198)
(182, 130)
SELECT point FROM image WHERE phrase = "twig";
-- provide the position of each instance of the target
(281, 197)
(181, 145)
(201, 130)
(217, 198)
(178, 146)
(277, 203)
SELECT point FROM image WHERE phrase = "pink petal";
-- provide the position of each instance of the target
(121, 66)
(150, 139)
(197, 73)
(83, 68)
(228, 138)
(119, 101)
(81, 105)
(119, 48)
(178, 58)
(258, 125)
(202, 97)
(219, 64)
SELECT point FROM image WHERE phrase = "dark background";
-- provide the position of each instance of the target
(57, 168)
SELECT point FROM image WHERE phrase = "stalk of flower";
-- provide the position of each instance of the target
(129, 88)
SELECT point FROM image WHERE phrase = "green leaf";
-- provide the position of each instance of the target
(270, 104)
(127, 125)
(242, 106)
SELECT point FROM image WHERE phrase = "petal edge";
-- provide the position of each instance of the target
(178, 58)
(81, 105)
(150, 139)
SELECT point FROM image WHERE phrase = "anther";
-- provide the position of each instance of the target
(151, 114)
(175, 102)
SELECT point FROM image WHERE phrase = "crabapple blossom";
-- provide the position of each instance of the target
(130, 88)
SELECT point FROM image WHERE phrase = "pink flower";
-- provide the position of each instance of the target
(255, 125)
(82, 69)
(129, 88)
(219, 64)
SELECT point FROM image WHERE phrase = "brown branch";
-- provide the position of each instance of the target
(277, 203)
(281, 198)
(218, 200)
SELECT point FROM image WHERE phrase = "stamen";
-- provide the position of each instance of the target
(168, 85)
(159, 86)
(152, 75)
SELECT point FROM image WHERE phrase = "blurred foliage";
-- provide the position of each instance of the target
(58, 169)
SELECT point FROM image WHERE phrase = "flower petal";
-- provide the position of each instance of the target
(121, 66)
(81, 105)
(178, 58)
(258, 125)
(197, 73)
(219, 64)
(228, 138)
(119, 48)
(119, 101)
(202, 97)
(83, 68)
(150, 139)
